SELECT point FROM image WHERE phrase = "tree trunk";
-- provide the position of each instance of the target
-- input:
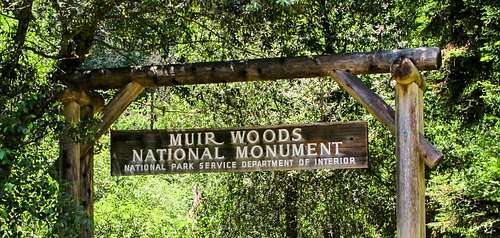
(291, 210)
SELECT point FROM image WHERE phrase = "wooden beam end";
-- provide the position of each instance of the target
(405, 72)
(432, 157)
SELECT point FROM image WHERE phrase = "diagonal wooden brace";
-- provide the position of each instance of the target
(114, 109)
(383, 112)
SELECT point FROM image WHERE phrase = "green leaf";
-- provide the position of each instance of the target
(8, 187)
(2, 154)
(486, 58)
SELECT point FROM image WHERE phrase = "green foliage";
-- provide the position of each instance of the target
(466, 198)
(152, 207)
(29, 197)
(42, 40)
(463, 192)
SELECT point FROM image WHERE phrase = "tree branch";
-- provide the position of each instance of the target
(38, 52)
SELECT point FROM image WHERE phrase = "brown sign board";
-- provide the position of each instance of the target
(287, 147)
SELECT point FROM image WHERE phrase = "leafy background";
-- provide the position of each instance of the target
(41, 40)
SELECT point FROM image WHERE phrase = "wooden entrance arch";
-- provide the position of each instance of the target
(406, 123)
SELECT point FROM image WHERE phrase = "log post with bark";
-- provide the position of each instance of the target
(69, 161)
(410, 168)
(91, 106)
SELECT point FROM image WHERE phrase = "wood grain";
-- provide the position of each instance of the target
(69, 162)
(353, 135)
(410, 168)
(87, 180)
(252, 70)
(383, 112)
(114, 109)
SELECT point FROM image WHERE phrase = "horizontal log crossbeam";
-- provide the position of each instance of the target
(252, 70)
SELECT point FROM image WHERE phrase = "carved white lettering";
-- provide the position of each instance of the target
(269, 136)
(297, 134)
(282, 150)
(206, 154)
(283, 135)
(136, 157)
(241, 152)
(337, 146)
(210, 139)
(150, 157)
(217, 154)
(180, 154)
(189, 138)
(311, 149)
(161, 152)
(256, 152)
(175, 139)
(325, 149)
(253, 137)
(297, 150)
(193, 153)
(271, 151)
(237, 137)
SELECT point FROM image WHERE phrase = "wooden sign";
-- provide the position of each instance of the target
(314, 146)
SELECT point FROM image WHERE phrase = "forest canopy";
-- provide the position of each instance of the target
(42, 41)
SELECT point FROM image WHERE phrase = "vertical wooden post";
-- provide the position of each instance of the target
(90, 103)
(410, 168)
(69, 166)
(87, 177)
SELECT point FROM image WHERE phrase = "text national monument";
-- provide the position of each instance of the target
(313, 146)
